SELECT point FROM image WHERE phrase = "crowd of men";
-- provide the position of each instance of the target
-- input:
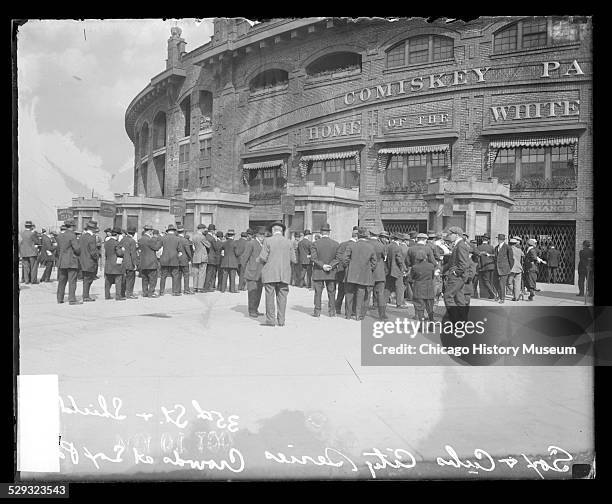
(368, 271)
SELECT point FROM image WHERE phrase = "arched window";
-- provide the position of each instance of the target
(535, 33)
(420, 50)
(269, 79)
(334, 63)
(206, 110)
(159, 131)
(186, 110)
(144, 140)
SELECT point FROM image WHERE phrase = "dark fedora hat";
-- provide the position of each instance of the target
(244, 234)
(260, 230)
(201, 226)
(384, 234)
(279, 223)
(28, 223)
(69, 223)
(325, 227)
(219, 234)
(501, 236)
(363, 232)
(148, 227)
(212, 227)
(116, 230)
(92, 224)
(171, 227)
(107, 230)
(230, 232)
(307, 232)
(180, 228)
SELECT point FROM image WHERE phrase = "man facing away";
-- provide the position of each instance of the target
(504, 260)
(148, 245)
(585, 269)
(89, 258)
(214, 258)
(229, 262)
(47, 255)
(252, 272)
(130, 264)
(199, 260)
(380, 274)
(360, 263)
(341, 273)
(323, 253)
(486, 267)
(516, 273)
(113, 265)
(304, 246)
(396, 270)
(28, 253)
(276, 255)
(169, 261)
(457, 271)
(240, 248)
(184, 256)
(68, 250)
(552, 259)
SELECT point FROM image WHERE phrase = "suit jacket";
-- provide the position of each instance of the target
(360, 263)
(530, 262)
(68, 249)
(413, 252)
(147, 246)
(277, 254)
(395, 261)
(422, 274)
(504, 259)
(200, 254)
(171, 244)
(340, 256)
(112, 251)
(89, 253)
(46, 245)
(186, 251)
(459, 260)
(304, 246)
(553, 257)
(487, 263)
(252, 267)
(380, 273)
(27, 245)
(585, 256)
(130, 254)
(230, 254)
(214, 253)
(323, 251)
(240, 246)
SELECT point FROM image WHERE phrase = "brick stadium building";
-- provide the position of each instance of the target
(399, 125)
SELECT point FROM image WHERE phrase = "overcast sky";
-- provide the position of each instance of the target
(75, 80)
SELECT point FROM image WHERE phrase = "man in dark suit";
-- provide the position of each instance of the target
(240, 247)
(28, 252)
(169, 261)
(422, 274)
(504, 260)
(420, 247)
(130, 264)
(323, 254)
(47, 255)
(229, 262)
(552, 259)
(360, 263)
(252, 272)
(148, 245)
(88, 258)
(341, 273)
(457, 272)
(185, 255)
(113, 265)
(486, 267)
(276, 255)
(396, 269)
(304, 260)
(214, 258)
(585, 268)
(68, 251)
(380, 274)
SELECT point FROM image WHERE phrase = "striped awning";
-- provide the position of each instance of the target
(306, 160)
(263, 164)
(384, 154)
(497, 145)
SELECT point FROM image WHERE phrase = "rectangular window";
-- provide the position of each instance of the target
(442, 48)
(351, 177)
(183, 179)
(132, 222)
(458, 219)
(417, 167)
(438, 165)
(506, 40)
(206, 219)
(563, 32)
(255, 177)
(395, 170)
(333, 169)
(504, 167)
(318, 219)
(532, 163)
(268, 177)
(562, 162)
(118, 222)
(296, 221)
(184, 153)
(483, 223)
(396, 56)
(316, 173)
(534, 33)
(418, 50)
(188, 222)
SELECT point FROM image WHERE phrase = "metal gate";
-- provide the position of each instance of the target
(397, 226)
(561, 234)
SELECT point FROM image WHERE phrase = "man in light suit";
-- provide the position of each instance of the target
(200, 258)
(324, 262)
(68, 249)
(277, 254)
(252, 272)
(28, 253)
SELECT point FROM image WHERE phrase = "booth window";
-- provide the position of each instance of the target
(265, 180)
(535, 33)
(335, 63)
(402, 169)
(561, 162)
(419, 50)
(270, 80)
(343, 172)
(532, 163)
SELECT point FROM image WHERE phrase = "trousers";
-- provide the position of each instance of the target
(276, 302)
(211, 276)
(198, 272)
(330, 285)
(149, 282)
(66, 275)
(169, 271)
(486, 280)
(110, 279)
(183, 274)
(88, 278)
(395, 285)
(231, 273)
(30, 269)
(127, 283)
(355, 300)
(254, 290)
